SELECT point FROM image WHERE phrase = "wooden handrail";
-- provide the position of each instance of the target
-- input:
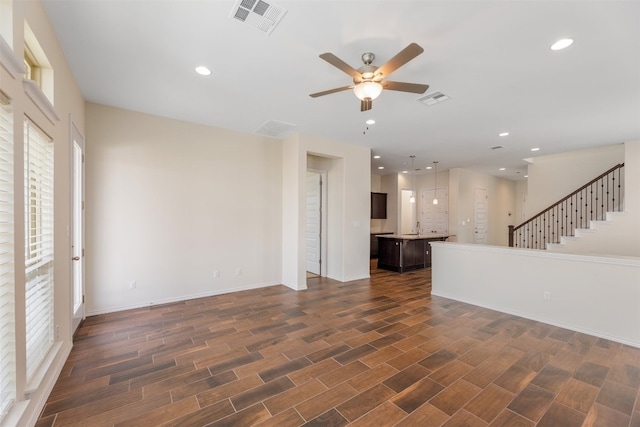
(618, 166)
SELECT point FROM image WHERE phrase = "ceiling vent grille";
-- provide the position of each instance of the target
(276, 129)
(433, 98)
(258, 14)
(496, 147)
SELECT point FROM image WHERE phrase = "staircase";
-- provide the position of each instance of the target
(617, 235)
(575, 224)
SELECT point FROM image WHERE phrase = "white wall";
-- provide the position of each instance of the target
(632, 178)
(389, 185)
(502, 201)
(293, 195)
(594, 295)
(553, 177)
(169, 202)
(349, 208)
(376, 183)
(521, 207)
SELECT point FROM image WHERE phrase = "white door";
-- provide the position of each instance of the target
(481, 216)
(313, 230)
(77, 227)
(435, 218)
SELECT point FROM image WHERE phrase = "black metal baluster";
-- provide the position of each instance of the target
(614, 208)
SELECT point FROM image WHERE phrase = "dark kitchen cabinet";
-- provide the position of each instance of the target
(414, 253)
(373, 246)
(389, 253)
(378, 205)
(406, 252)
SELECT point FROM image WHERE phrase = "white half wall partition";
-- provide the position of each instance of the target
(349, 187)
(599, 296)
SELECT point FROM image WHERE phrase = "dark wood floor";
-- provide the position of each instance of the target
(376, 352)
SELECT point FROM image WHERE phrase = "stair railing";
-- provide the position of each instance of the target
(588, 203)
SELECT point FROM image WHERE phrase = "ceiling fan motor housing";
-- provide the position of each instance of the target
(367, 73)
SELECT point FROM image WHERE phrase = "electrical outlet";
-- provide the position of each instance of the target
(216, 274)
(132, 284)
(546, 295)
(238, 272)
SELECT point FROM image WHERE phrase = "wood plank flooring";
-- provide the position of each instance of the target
(377, 352)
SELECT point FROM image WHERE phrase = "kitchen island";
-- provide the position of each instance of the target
(406, 252)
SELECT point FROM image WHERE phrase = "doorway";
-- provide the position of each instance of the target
(408, 220)
(77, 227)
(315, 240)
(481, 216)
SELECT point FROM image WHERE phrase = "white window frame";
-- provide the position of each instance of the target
(7, 261)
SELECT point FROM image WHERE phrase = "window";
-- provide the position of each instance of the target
(39, 79)
(38, 179)
(31, 66)
(7, 315)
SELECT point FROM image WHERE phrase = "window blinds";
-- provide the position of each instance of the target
(38, 173)
(7, 315)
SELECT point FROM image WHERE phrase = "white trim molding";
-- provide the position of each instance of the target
(38, 97)
(9, 61)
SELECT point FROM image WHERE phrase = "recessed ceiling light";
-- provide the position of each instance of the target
(380, 167)
(428, 167)
(503, 134)
(526, 176)
(535, 149)
(562, 44)
(370, 122)
(405, 171)
(503, 169)
(376, 157)
(203, 71)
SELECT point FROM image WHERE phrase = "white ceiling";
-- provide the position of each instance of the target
(492, 58)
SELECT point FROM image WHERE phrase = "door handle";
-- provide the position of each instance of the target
(76, 258)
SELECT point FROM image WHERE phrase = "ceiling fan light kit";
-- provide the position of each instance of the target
(369, 79)
(367, 89)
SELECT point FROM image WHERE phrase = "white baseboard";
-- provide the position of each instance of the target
(181, 298)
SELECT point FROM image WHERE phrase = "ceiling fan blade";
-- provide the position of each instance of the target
(405, 87)
(339, 63)
(366, 104)
(330, 91)
(404, 56)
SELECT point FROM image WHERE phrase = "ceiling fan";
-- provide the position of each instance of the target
(369, 79)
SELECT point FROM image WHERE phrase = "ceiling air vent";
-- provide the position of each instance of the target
(433, 98)
(258, 14)
(275, 129)
(497, 147)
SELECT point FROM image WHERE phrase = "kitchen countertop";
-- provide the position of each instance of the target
(414, 236)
